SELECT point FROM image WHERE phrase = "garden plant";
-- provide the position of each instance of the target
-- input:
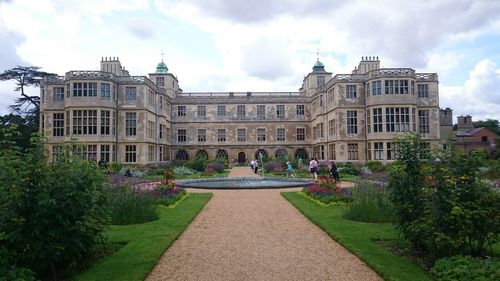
(443, 207)
(52, 215)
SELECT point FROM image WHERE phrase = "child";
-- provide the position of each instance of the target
(289, 170)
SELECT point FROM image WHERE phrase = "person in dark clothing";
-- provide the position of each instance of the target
(334, 172)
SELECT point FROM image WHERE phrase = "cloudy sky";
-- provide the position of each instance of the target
(256, 45)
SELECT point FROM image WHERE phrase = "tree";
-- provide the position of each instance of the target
(51, 214)
(24, 127)
(444, 207)
(490, 124)
(25, 76)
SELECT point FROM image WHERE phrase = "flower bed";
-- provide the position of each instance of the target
(328, 191)
(137, 203)
(165, 192)
(380, 179)
(118, 180)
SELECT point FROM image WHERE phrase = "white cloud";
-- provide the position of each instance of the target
(266, 59)
(140, 28)
(444, 63)
(401, 32)
(261, 10)
(258, 45)
(479, 96)
(484, 82)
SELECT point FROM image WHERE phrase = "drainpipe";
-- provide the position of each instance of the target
(171, 121)
(366, 133)
(325, 125)
(116, 125)
(156, 130)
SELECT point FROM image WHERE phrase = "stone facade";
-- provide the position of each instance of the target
(111, 116)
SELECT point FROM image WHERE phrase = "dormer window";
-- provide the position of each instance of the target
(160, 81)
(321, 80)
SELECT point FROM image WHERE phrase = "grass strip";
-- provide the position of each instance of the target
(319, 202)
(145, 243)
(360, 238)
(179, 201)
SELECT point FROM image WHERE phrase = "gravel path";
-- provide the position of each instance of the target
(256, 235)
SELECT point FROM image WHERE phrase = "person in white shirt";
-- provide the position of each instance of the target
(313, 167)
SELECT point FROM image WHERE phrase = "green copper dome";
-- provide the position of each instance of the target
(318, 66)
(161, 68)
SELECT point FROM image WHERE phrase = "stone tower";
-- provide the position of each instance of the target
(464, 122)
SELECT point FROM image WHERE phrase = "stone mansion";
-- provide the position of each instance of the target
(115, 117)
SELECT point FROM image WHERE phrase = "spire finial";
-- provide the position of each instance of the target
(162, 55)
(317, 54)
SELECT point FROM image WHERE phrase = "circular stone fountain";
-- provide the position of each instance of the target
(243, 183)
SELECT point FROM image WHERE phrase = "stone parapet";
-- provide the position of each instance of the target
(391, 72)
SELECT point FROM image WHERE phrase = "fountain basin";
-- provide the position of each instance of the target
(243, 183)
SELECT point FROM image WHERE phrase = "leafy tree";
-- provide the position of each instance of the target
(51, 215)
(443, 207)
(25, 76)
(491, 124)
(23, 126)
(406, 180)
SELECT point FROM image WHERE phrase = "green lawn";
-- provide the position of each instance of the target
(360, 238)
(145, 243)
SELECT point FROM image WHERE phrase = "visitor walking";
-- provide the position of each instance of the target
(252, 165)
(255, 166)
(334, 173)
(313, 167)
(289, 170)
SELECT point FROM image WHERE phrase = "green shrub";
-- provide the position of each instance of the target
(466, 268)
(375, 166)
(51, 215)
(492, 169)
(370, 204)
(130, 206)
(443, 208)
(349, 168)
(157, 170)
(9, 271)
(183, 171)
(132, 172)
(198, 164)
(115, 167)
(16, 274)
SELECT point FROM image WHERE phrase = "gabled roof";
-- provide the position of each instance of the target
(468, 132)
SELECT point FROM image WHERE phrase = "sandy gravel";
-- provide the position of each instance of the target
(256, 235)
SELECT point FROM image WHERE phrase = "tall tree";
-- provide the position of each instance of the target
(18, 129)
(490, 124)
(25, 76)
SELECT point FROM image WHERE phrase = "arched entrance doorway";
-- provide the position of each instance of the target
(202, 153)
(222, 154)
(262, 152)
(281, 154)
(301, 153)
(182, 155)
(242, 159)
